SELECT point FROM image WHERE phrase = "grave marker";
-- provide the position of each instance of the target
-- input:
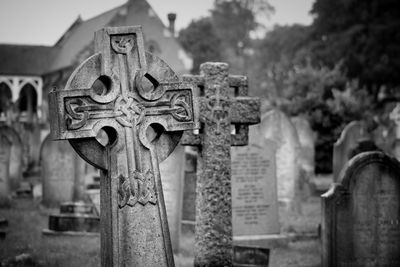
(143, 107)
(361, 214)
(219, 109)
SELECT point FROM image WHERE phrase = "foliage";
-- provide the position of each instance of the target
(364, 35)
(220, 36)
(201, 41)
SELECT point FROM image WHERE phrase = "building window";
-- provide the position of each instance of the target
(5, 98)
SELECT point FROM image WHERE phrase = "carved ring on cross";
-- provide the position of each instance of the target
(126, 110)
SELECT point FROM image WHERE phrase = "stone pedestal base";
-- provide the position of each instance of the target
(74, 218)
(262, 241)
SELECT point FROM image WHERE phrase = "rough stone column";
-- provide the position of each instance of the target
(213, 204)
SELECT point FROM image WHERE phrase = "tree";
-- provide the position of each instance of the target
(201, 41)
(364, 35)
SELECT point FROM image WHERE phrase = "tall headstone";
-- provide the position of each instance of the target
(254, 191)
(139, 102)
(223, 102)
(361, 214)
(348, 140)
(276, 126)
(61, 170)
(5, 153)
(16, 164)
(307, 144)
(172, 174)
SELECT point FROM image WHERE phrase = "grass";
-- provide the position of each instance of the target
(26, 220)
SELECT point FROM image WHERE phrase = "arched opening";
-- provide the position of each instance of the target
(5, 98)
(27, 101)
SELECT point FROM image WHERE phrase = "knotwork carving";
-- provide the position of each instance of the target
(138, 187)
(122, 43)
(180, 108)
(76, 115)
(219, 107)
(129, 111)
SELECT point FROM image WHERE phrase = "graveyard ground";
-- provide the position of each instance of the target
(27, 219)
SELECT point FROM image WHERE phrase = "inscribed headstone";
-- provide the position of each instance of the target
(353, 132)
(5, 152)
(276, 126)
(172, 175)
(361, 214)
(254, 194)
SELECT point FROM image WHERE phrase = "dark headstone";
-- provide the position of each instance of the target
(76, 217)
(361, 214)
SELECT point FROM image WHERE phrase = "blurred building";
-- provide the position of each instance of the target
(28, 73)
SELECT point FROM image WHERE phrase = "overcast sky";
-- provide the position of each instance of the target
(44, 21)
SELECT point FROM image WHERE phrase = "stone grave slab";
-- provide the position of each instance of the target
(361, 214)
(254, 194)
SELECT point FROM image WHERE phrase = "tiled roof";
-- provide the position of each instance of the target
(78, 36)
(77, 42)
(25, 59)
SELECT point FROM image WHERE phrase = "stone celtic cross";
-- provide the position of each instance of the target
(223, 103)
(142, 107)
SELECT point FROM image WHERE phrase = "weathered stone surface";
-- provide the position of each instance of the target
(16, 166)
(361, 214)
(276, 126)
(139, 102)
(254, 190)
(219, 109)
(348, 140)
(5, 153)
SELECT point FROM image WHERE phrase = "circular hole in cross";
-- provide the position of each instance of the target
(102, 85)
(153, 132)
(106, 136)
